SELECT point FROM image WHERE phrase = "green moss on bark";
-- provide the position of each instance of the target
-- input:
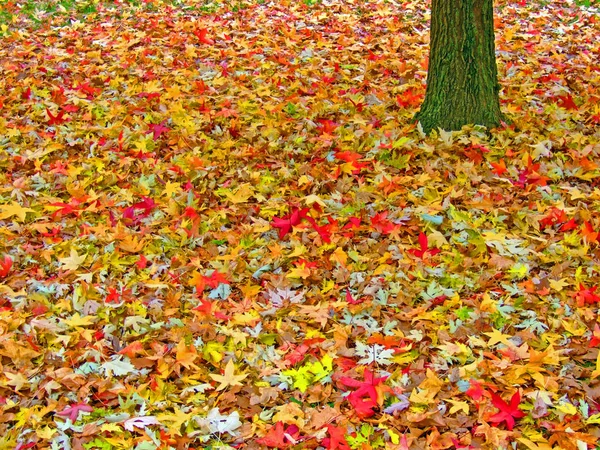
(462, 80)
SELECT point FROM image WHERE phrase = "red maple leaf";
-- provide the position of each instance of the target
(286, 223)
(324, 231)
(303, 262)
(476, 390)
(351, 300)
(327, 80)
(201, 34)
(530, 175)
(215, 279)
(353, 222)
(336, 439)
(133, 349)
(149, 95)
(475, 153)
(568, 226)
(113, 296)
(359, 106)
(566, 101)
(147, 204)
(586, 296)
(345, 364)
(64, 209)
(380, 222)
(326, 126)
(205, 307)
(499, 167)
(280, 437)
(352, 158)
(508, 411)
(157, 129)
(348, 156)
(595, 340)
(423, 243)
(39, 310)
(588, 233)
(5, 266)
(132, 215)
(129, 216)
(190, 213)
(408, 98)
(74, 108)
(364, 398)
(393, 342)
(22, 445)
(56, 120)
(554, 217)
(90, 91)
(297, 354)
(363, 406)
(210, 309)
(142, 262)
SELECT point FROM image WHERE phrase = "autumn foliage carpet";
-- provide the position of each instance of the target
(219, 228)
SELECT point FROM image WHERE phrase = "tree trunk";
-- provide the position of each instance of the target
(462, 79)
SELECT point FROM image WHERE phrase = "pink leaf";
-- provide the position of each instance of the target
(72, 412)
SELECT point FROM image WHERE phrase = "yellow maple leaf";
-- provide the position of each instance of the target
(14, 209)
(186, 355)
(313, 198)
(596, 372)
(566, 408)
(196, 279)
(421, 396)
(173, 91)
(458, 406)
(77, 321)
(250, 290)
(299, 250)
(533, 446)
(558, 285)
(17, 380)
(339, 256)
(73, 261)
(228, 378)
(172, 188)
(45, 432)
(213, 351)
(16, 351)
(175, 420)
(131, 244)
(496, 336)
(241, 195)
(290, 413)
(299, 272)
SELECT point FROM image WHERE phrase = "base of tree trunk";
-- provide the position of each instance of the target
(462, 79)
(436, 114)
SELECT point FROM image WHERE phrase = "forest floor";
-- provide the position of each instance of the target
(220, 228)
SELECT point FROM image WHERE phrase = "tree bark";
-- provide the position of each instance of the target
(462, 79)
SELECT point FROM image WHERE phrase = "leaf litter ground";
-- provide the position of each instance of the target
(220, 229)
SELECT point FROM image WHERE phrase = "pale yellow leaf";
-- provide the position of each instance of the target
(14, 209)
(229, 378)
(73, 261)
